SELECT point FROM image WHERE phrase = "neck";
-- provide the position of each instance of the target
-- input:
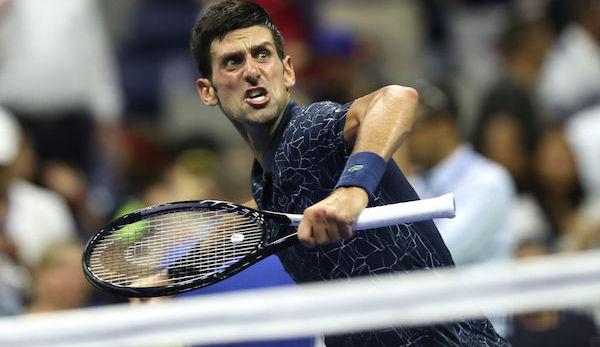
(260, 138)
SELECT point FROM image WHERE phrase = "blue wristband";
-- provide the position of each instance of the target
(363, 169)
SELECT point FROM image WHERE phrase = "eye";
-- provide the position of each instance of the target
(263, 54)
(232, 62)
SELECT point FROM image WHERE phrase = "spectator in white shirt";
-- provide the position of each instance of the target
(35, 217)
(484, 191)
(58, 76)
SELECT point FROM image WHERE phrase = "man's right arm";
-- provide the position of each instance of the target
(376, 125)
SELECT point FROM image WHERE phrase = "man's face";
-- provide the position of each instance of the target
(249, 81)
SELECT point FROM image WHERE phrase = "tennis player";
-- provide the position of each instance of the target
(326, 159)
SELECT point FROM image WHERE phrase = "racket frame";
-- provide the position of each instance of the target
(267, 246)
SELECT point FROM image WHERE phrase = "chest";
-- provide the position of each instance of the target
(303, 172)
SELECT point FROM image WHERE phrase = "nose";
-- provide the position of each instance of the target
(251, 71)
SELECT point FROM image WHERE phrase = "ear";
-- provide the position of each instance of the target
(206, 92)
(289, 75)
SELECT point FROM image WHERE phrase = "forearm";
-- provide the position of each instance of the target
(375, 127)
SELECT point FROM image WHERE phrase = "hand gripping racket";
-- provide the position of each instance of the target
(170, 248)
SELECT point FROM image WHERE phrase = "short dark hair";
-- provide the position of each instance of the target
(226, 16)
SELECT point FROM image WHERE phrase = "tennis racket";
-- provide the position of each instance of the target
(171, 248)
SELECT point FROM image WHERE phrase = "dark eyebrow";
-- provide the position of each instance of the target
(254, 48)
(228, 56)
(262, 45)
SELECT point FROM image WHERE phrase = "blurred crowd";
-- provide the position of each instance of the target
(99, 116)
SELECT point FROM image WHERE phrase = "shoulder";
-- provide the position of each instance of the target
(322, 110)
(320, 121)
(25, 191)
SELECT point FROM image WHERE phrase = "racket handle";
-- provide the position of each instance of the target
(400, 213)
(406, 212)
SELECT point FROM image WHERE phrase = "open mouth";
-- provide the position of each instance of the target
(256, 96)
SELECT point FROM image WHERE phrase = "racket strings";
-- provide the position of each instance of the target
(158, 255)
(138, 254)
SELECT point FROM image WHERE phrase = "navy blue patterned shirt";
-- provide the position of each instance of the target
(309, 154)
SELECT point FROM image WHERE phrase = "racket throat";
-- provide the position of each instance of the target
(282, 242)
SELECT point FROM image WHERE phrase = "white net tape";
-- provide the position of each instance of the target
(552, 282)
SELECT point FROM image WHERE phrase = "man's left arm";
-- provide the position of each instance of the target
(376, 125)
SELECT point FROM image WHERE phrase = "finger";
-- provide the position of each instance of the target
(305, 232)
(319, 228)
(332, 228)
(345, 229)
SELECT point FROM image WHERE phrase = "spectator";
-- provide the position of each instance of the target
(508, 123)
(58, 77)
(582, 131)
(36, 217)
(483, 190)
(571, 76)
(58, 282)
(558, 188)
(566, 204)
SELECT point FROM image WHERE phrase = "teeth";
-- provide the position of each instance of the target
(255, 94)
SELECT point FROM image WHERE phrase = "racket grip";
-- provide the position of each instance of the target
(406, 212)
(399, 213)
